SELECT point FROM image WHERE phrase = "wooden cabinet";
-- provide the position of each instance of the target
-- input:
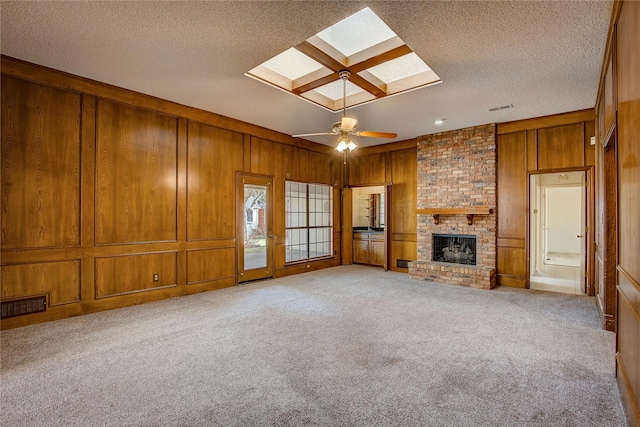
(368, 248)
(361, 250)
(376, 252)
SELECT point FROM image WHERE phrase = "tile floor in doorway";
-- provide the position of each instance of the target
(562, 258)
(561, 273)
(557, 278)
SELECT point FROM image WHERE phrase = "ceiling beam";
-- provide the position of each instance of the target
(318, 55)
(335, 65)
(316, 83)
(367, 85)
(380, 59)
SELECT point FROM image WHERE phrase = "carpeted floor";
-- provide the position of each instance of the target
(346, 346)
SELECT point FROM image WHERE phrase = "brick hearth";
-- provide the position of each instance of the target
(457, 169)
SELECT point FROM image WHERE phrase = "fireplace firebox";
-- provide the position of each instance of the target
(454, 248)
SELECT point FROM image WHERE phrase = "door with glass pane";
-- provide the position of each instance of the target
(255, 227)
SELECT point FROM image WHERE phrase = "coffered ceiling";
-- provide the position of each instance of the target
(541, 57)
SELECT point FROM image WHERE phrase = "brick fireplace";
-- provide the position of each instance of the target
(457, 197)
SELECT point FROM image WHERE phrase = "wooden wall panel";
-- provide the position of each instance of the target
(40, 202)
(609, 107)
(512, 208)
(126, 274)
(532, 149)
(357, 170)
(59, 279)
(605, 223)
(628, 132)
(136, 160)
(512, 185)
(153, 181)
(628, 339)
(314, 167)
(214, 156)
(404, 167)
(210, 265)
(589, 150)
(512, 262)
(273, 159)
(561, 147)
(367, 169)
(555, 142)
(629, 141)
(404, 250)
(609, 223)
(404, 191)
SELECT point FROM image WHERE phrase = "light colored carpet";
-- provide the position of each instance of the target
(346, 346)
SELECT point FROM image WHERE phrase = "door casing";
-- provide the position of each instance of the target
(266, 272)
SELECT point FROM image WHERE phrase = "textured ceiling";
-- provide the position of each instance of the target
(542, 57)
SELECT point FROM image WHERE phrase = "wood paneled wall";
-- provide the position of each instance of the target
(103, 188)
(618, 109)
(40, 166)
(546, 144)
(394, 164)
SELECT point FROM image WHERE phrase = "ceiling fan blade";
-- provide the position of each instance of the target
(312, 134)
(377, 134)
(347, 124)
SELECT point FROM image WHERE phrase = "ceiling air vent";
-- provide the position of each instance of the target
(23, 306)
(504, 107)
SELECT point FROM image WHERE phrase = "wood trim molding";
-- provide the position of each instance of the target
(623, 384)
(469, 212)
(385, 148)
(615, 13)
(547, 121)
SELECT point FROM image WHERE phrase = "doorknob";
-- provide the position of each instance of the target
(579, 236)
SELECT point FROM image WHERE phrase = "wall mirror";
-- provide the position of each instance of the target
(368, 208)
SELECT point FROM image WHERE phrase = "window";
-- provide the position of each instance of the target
(309, 221)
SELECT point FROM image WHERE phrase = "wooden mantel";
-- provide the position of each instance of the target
(469, 212)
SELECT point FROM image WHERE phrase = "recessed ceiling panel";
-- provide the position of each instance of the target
(334, 90)
(399, 68)
(360, 31)
(379, 61)
(292, 64)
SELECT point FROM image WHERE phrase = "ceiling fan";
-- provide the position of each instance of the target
(347, 126)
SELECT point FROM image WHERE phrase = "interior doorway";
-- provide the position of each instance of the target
(557, 240)
(365, 227)
(255, 227)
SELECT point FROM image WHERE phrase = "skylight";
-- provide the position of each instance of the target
(381, 64)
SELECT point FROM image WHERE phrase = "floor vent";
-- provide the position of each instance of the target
(403, 263)
(23, 306)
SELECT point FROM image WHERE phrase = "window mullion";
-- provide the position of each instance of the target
(308, 233)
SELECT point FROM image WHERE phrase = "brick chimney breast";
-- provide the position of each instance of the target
(457, 170)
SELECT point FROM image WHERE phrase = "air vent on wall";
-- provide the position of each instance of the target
(402, 263)
(23, 306)
(504, 107)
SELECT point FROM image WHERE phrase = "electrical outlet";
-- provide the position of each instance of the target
(156, 277)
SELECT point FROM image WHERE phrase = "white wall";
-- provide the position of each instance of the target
(564, 210)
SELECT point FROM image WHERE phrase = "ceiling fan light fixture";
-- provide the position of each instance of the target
(351, 146)
(342, 144)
